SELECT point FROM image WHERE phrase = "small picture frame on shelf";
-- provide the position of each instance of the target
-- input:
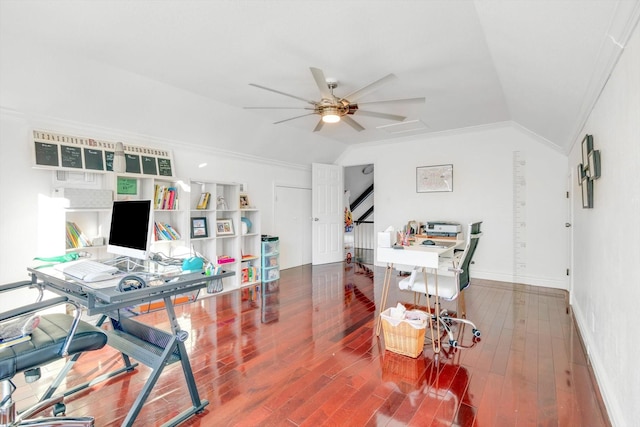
(199, 227)
(203, 202)
(244, 201)
(224, 227)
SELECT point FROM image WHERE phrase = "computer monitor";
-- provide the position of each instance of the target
(131, 230)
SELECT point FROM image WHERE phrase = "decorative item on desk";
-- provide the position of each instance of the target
(224, 227)
(199, 227)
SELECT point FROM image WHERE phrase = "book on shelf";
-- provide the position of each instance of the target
(164, 231)
(165, 198)
(203, 203)
(75, 237)
(250, 274)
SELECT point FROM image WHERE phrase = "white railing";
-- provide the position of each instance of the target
(363, 235)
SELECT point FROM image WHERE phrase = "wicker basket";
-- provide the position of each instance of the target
(404, 337)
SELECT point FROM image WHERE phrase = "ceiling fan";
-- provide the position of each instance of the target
(333, 109)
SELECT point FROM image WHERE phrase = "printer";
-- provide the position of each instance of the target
(442, 228)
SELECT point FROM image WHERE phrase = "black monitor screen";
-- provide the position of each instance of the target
(131, 230)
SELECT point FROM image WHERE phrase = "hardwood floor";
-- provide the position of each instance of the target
(306, 354)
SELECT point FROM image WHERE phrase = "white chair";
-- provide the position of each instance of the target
(449, 288)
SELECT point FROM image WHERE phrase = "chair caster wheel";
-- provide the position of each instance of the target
(59, 409)
(476, 333)
(453, 343)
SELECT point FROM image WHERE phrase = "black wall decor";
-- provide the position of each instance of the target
(588, 170)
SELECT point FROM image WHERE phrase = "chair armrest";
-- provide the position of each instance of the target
(31, 308)
(15, 285)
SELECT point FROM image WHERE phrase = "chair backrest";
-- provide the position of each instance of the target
(473, 237)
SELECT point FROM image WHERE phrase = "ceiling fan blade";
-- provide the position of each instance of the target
(396, 101)
(319, 126)
(348, 120)
(283, 93)
(369, 88)
(380, 115)
(292, 118)
(321, 81)
(278, 108)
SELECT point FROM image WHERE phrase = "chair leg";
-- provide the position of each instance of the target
(462, 306)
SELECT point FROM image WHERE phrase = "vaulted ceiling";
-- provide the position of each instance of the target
(538, 63)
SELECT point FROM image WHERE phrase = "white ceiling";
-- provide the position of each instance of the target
(538, 63)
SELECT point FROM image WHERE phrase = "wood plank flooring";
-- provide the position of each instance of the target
(306, 354)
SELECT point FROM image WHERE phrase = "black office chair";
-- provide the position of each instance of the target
(53, 337)
(449, 288)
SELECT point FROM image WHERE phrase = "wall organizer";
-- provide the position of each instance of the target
(588, 170)
(73, 153)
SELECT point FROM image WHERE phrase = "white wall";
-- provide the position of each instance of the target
(482, 190)
(606, 287)
(23, 185)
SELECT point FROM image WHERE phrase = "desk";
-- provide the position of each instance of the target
(153, 347)
(415, 256)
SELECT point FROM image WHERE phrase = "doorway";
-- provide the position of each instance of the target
(359, 199)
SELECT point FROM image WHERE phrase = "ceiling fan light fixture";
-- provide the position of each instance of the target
(330, 115)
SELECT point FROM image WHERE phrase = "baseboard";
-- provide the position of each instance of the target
(598, 369)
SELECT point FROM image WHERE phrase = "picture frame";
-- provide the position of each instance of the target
(437, 178)
(587, 193)
(244, 201)
(224, 227)
(199, 227)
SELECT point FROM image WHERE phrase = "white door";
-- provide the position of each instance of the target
(569, 227)
(293, 225)
(328, 213)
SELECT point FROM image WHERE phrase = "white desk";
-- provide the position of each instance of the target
(414, 256)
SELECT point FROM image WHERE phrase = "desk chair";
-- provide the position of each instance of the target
(449, 288)
(52, 337)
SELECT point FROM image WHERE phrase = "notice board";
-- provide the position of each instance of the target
(75, 153)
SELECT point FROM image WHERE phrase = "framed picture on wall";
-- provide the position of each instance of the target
(434, 178)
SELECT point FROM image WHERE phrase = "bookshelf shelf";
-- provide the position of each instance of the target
(176, 204)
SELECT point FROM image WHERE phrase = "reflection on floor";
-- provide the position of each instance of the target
(303, 351)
